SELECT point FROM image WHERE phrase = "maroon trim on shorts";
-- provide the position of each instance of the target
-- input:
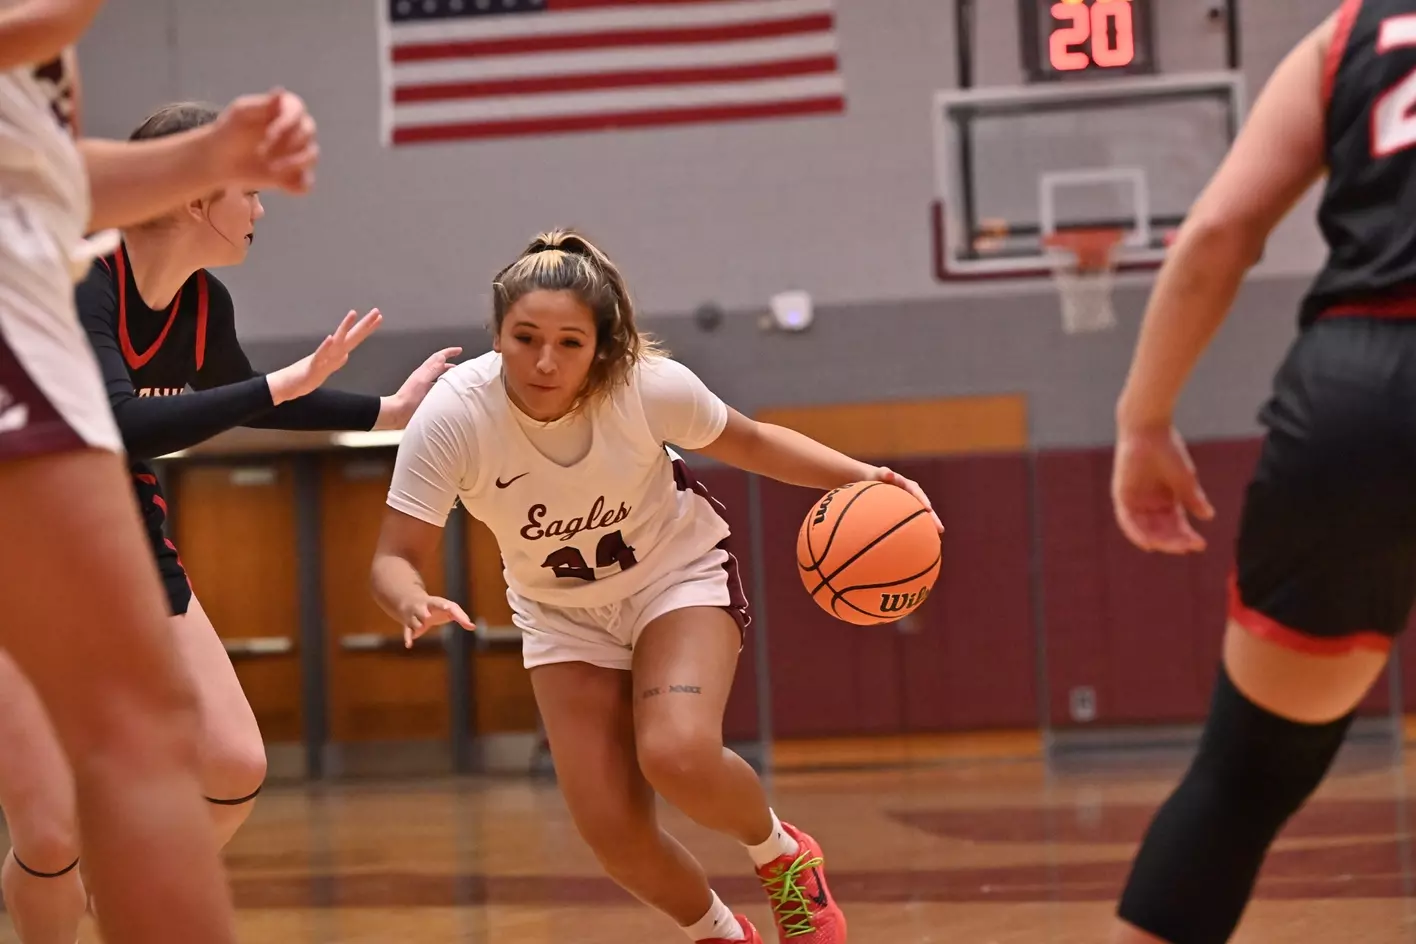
(40, 428)
(737, 606)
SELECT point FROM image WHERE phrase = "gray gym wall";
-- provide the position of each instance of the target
(730, 214)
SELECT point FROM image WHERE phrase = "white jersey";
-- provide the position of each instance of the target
(601, 509)
(51, 392)
(43, 183)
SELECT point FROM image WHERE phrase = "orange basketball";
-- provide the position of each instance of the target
(868, 553)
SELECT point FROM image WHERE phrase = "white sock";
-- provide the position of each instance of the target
(717, 925)
(776, 845)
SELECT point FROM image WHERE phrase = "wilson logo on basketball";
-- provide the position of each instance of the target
(821, 508)
(902, 602)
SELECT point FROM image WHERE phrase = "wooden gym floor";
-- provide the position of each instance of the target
(990, 850)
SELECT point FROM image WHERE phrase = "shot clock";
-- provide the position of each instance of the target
(1112, 118)
(1075, 39)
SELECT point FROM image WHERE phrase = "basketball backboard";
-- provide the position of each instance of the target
(1016, 164)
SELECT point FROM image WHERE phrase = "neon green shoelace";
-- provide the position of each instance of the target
(790, 902)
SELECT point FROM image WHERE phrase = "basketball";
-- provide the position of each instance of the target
(868, 553)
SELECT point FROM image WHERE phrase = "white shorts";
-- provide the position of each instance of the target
(605, 635)
(52, 396)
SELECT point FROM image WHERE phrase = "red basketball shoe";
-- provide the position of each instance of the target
(801, 903)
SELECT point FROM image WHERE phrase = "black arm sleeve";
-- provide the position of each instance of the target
(323, 409)
(155, 426)
(226, 364)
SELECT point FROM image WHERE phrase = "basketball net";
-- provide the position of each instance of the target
(1084, 269)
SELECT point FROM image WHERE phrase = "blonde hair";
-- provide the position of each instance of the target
(563, 260)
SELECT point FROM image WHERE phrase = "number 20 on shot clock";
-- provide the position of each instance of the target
(1076, 39)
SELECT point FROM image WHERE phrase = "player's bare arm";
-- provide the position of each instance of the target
(788, 456)
(260, 141)
(38, 30)
(406, 549)
(1276, 157)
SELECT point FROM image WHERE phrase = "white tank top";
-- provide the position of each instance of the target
(591, 533)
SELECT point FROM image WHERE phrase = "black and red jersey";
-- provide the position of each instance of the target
(1368, 209)
(178, 376)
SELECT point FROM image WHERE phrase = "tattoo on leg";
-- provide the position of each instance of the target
(672, 690)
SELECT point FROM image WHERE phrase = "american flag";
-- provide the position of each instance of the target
(469, 69)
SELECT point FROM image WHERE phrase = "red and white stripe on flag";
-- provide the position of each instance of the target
(476, 69)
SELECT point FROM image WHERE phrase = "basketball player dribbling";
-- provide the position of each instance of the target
(1326, 555)
(160, 322)
(84, 616)
(618, 571)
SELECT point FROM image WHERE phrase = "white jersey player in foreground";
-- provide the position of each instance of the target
(619, 574)
(85, 616)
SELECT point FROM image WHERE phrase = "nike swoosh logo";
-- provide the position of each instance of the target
(501, 484)
(820, 896)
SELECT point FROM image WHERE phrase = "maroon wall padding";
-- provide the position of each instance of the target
(1140, 630)
(1223, 468)
(964, 661)
(1073, 510)
(1405, 653)
(969, 659)
(828, 677)
(1150, 622)
(729, 486)
(1143, 631)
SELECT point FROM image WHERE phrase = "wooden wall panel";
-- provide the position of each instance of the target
(503, 702)
(939, 427)
(383, 692)
(235, 529)
(1141, 631)
(488, 586)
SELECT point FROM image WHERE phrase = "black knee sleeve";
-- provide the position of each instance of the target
(64, 871)
(1195, 871)
(239, 800)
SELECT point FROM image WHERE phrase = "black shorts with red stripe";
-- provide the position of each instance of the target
(153, 506)
(1326, 556)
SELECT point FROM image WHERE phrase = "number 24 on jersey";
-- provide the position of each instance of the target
(611, 551)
